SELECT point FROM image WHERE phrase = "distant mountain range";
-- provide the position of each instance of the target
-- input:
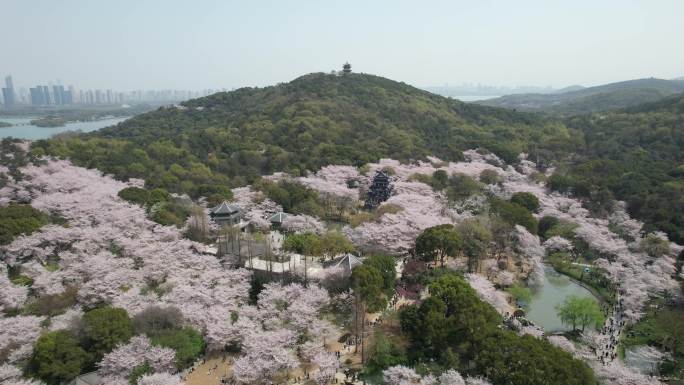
(575, 100)
(459, 91)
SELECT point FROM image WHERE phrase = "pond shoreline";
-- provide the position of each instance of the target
(551, 294)
(589, 288)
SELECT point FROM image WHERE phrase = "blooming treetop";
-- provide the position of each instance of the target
(17, 335)
(121, 361)
(402, 375)
(616, 238)
(488, 293)
(10, 374)
(113, 254)
(302, 223)
(332, 180)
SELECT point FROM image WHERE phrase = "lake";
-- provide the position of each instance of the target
(472, 98)
(23, 130)
(554, 290)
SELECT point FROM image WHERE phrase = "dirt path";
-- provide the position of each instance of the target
(210, 372)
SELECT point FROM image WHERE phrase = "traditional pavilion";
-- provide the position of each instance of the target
(276, 220)
(379, 191)
(347, 262)
(226, 214)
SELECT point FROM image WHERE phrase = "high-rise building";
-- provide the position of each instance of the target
(38, 96)
(58, 95)
(8, 92)
(74, 96)
(46, 94)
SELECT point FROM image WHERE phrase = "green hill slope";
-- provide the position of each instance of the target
(230, 139)
(592, 99)
(315, 120)
(636, 155)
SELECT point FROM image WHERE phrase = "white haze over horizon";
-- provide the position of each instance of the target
(201, 44)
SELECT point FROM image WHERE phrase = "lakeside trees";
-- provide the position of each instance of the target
(580, 311)
(458, 331)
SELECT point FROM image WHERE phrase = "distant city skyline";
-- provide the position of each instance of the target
(51, 94)
(127, 44)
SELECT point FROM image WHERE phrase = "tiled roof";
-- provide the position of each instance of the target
(278, 217)
(225, 208)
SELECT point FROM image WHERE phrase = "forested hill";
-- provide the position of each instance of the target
(319, 119)
(315, 120)
(592, 99)
(636, 155)
(230, 139)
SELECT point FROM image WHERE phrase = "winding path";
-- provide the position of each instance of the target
(608, 339)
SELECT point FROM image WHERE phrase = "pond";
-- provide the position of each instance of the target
(554, 290)
(22, 128)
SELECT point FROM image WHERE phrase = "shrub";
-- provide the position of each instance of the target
(57, 358)
(135, 195)
(106, 327)
(156, 319)
(527, 200)
(515, 214)
(187, 342)
(17, 219)
(490, 177)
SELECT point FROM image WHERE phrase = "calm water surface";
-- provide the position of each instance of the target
(23, 130)
(556, 287)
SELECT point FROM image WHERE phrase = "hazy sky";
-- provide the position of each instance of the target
(196, 44)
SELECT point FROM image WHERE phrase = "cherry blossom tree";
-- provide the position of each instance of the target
(266, 353)
(488, 293)
(121, 361)
(10, 374)
(17, 335)
(303, 223)
(451, 377)
(11, 296)
(562, 342)
(159, 379)
(332, 180)
(402, 375)
(557, 243)
(529, 246)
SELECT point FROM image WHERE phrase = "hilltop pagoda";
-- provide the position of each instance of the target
(379, 191)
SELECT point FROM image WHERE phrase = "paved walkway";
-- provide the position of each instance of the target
(607, 349)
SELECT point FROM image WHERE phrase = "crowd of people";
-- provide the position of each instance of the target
(607, 348)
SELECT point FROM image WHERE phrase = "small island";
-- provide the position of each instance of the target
(49, 121)
(5, 124)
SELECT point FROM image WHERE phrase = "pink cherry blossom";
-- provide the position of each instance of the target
(159, 379)
(486, 291)
(121, 361)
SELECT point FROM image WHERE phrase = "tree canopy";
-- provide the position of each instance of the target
(57, 357)
(106, 327)
(580, 311)
(368, 283)
(16, 219)
(438, 243)
(455, 329)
